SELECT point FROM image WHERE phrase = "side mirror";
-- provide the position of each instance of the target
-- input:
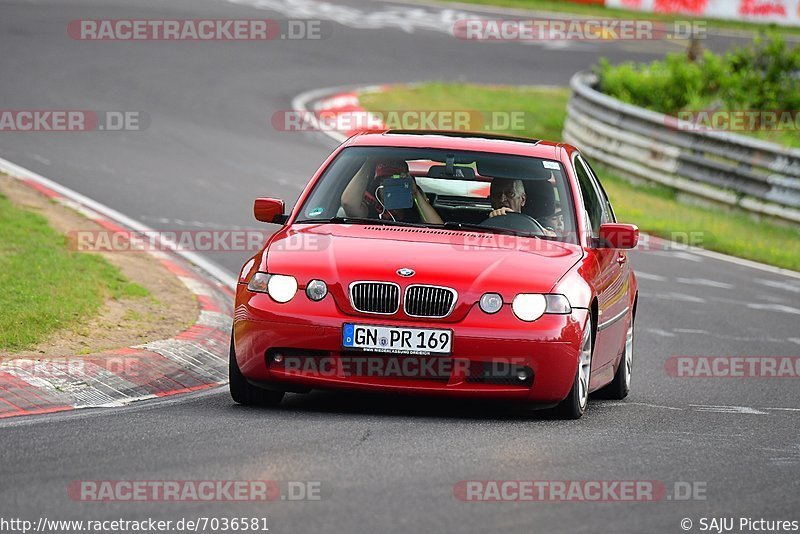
(616, 235)
(269, 210)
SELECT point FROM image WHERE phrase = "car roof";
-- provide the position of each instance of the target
(457, 140)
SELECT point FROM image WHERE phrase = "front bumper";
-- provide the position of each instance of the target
(488, 352)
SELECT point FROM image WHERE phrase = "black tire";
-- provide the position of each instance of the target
(245, 393)
(619, 388)
(574, 406)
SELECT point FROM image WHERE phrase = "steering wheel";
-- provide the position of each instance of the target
(517, 222)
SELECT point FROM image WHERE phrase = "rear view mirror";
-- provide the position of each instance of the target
(616, 235)
(459, 173)
(269, 210)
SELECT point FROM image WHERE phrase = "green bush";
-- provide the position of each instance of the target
(762, 77)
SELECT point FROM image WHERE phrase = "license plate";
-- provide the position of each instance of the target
(397, 339)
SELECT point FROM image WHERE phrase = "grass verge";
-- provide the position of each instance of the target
(561, 6)
(656, 209)
(45, 285)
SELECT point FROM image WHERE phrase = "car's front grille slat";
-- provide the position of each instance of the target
(375, 297)
(429, 301)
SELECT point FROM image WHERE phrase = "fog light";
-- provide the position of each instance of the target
(316, 290)
(277, 358)
(491, 303)
(522, 375)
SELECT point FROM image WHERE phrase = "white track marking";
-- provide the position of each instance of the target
(652, 277)
(773, 307)
(745, 263)
(676, 254)
(783, 286)
(196, 224)
(751, 339)
(787, 456)
(530, 12)
(211, 268)
(727, 409)
(406, 18)
(674, 296)
(705, 408)
(646, 404)
(659, 332)
(704, 282)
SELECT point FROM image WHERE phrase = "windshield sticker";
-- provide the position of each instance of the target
(316, 212)
(550, 165)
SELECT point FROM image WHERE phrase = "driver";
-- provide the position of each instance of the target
(362, 196)
(507, 195)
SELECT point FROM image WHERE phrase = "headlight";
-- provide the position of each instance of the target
(281, 287)
(278, 286)
(529, 306)
(316, 290)
(491, 302)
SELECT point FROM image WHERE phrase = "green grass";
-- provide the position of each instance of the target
(46, 286)
(563, 6)
(656, 209)
(541, 121)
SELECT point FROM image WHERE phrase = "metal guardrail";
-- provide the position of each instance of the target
(754, 175)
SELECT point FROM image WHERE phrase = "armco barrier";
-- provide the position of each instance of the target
(753, 175)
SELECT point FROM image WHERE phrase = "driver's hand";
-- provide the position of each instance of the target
(500, 211)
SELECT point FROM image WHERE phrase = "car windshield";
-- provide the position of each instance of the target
(436, 187)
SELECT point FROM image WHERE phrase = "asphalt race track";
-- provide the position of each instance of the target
(384, 464)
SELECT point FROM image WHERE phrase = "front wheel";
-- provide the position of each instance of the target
(245, 393)
(574, 406)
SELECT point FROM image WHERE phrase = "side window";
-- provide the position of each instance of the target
(591, 201)
(608, 211)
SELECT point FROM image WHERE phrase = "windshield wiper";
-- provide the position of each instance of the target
(360, 220)
(449, 225)
(490, 230)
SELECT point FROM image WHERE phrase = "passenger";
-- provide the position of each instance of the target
(362, 197)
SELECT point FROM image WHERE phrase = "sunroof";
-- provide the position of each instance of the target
(468, 135)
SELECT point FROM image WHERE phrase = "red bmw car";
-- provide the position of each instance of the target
(441, 263)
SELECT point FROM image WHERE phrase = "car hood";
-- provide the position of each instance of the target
(471, 263)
